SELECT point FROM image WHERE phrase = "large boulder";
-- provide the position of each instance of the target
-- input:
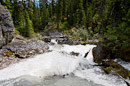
(6, 27)
(24, 49)
(20, 49)
(102, 52)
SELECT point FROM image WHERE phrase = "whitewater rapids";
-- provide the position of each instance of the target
(59, 62)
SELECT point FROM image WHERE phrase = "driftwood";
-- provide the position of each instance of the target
(127, 83)
(86, 54)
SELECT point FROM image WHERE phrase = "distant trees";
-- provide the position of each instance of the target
(105, 17)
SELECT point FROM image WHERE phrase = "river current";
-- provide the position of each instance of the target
(58, 67)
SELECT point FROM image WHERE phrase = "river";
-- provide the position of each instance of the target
(58, 67)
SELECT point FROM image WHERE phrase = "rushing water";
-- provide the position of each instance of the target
(123, 63)
(58, 68)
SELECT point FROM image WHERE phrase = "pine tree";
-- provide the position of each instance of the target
(50, 10)
(36, 18)
(82, 12)
(53, 7)
(21, 19)
(30, 9)
(58, 12)
(44, 15)
(15, 12)
(28, 30)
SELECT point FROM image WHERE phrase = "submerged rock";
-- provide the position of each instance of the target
(74, 53)
(6, 27)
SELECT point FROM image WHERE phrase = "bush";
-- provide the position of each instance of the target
(83, 33)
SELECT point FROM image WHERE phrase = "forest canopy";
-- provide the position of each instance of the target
(110, 19)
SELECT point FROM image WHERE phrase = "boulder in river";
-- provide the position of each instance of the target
(102, 52)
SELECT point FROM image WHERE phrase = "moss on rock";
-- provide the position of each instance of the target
(6, 53)
(111, 66)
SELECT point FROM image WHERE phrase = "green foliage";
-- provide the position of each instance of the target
(1, 22)
(83, 34)
(30, 9)
(108, 18)
(95, 18)
(66, 25)
(44, 14)
(29, 31)
(19, 30)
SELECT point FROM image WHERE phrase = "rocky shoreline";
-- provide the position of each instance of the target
(20, 49)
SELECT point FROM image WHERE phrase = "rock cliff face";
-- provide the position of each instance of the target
(6, 27)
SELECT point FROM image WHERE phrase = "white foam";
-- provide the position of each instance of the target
(54, 41)
(97, 76)
(123, 63)
(58, 63)
(41, 65)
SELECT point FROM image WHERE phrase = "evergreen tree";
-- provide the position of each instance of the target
(15, 12)
(36, 18)
(21, 19)
(30, 9)
(82, 13)
(50, 10)
(28, 30)
(58, 12)
(53, 7)
(44, 14)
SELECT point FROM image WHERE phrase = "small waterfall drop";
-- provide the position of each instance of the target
(60, 62)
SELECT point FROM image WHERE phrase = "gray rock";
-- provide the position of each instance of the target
(101, 52)
(20, 49)
(24, 49)
(6, 27)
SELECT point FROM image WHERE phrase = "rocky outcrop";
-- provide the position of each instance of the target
(104, 56)
(102, 52)
(24, 49)
(6, 27)
(114, 67)
(20, 49)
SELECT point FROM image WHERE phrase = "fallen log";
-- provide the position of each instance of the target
(127, 83)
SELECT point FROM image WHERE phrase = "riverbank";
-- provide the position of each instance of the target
(20, 49)
(59, 62)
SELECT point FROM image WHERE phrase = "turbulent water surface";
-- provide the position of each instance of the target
(58, 67)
